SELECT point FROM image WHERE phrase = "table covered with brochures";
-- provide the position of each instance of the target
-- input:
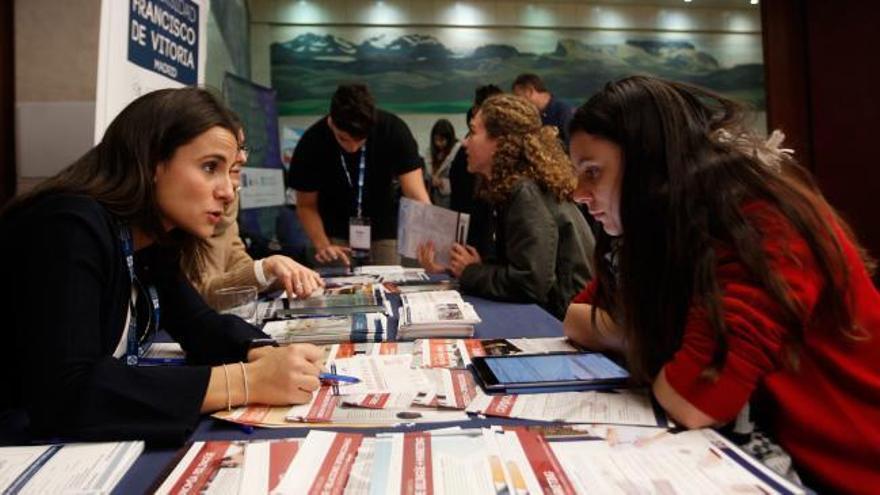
(500, 320)
(417, 420)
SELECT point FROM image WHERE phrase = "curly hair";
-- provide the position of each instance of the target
(525, 149)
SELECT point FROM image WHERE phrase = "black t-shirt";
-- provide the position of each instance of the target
(316, 166)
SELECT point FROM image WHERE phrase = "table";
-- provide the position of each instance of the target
(500, 320)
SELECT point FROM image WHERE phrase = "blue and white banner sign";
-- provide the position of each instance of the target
(163, 36)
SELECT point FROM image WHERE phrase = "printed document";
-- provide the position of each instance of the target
(420, 223)
(626, 407)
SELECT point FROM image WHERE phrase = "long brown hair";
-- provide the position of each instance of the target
(525, 149)
(118, 172)
(689, 166)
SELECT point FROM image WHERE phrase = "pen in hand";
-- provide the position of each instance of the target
(332, 377)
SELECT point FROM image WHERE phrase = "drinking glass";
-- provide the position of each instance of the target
(238, 301)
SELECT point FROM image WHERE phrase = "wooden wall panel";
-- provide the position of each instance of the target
(7, 103)
(823, 78)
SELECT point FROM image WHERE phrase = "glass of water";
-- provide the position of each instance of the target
(238, 301)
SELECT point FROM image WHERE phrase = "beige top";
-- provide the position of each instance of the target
(227, 263)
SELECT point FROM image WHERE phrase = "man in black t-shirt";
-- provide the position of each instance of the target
(343, 168)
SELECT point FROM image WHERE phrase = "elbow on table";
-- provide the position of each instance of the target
(683, 412)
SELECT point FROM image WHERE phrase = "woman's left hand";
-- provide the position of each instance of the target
(295, 278)
(461, 256)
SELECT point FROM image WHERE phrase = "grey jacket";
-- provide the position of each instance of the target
(543, 247)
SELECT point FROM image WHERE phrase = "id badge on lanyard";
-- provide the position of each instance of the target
(358, 225)
(136, 348)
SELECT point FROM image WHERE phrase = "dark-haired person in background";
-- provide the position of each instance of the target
(724, 278)
(554, 111)
(90, 263)
(343, 168)
(443, 148)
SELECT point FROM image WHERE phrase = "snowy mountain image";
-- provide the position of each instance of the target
(416, 73)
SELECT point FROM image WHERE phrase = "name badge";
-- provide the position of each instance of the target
(359, 233)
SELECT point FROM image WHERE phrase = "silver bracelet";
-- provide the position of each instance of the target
(246, 391)
(228, 398)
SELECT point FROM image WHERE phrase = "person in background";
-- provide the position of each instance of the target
(342, 170)
(541, 237)
(106, 235)
(464, 187)
(443, 149)
(226, 263)
(554, 112)
(725, 278)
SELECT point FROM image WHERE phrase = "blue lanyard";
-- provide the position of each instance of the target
(136, 348)
(361, 173)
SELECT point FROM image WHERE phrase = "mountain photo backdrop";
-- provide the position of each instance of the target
(435, 70)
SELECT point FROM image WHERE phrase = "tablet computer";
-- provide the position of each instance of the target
(590, 370)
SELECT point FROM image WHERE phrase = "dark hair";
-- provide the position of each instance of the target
(118, 172)
(353, 110)
(529, 79)
(481, 94)
(689, 167)
(445, 129)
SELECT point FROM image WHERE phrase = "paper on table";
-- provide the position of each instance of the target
(207, 467)
(265, 463)
(322, 464)
(425, 462)
(70, 468)
(371, 410)
(380, 374)
(530, 465)
(696, 461)
(628, 407)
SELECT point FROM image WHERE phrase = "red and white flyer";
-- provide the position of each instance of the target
(207, 467)
(321, 465)
(265, 464)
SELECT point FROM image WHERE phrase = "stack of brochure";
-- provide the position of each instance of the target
(420, 286)
(435, 314)
(344, 300)
(72, 468)
(328, 329)
(487, 461)
(393, 273)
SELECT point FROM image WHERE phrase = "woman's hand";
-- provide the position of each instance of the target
(284, 375)
(461, 256)
(295, 278)
(426, 255)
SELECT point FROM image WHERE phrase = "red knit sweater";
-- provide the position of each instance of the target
(827, 412)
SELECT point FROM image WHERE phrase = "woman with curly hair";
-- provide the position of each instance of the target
(726, 279)
(542, 241)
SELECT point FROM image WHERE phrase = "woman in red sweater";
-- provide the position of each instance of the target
(725, 278)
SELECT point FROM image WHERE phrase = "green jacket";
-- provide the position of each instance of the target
(543, 248)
